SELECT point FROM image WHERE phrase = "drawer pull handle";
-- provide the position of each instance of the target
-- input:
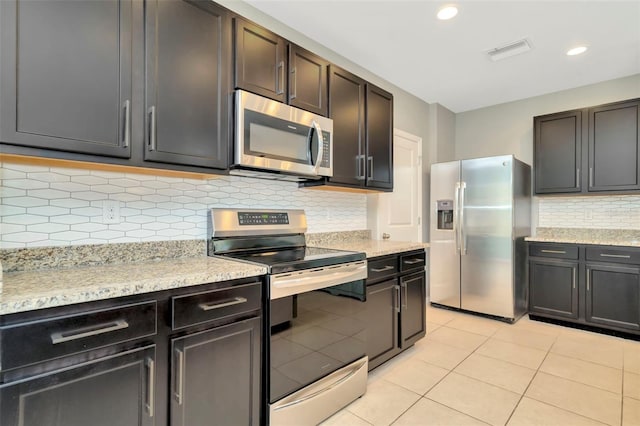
(413, 261)
(81, 333)
(620, 256)
(554, 251)
(385, 268)
(211, 306)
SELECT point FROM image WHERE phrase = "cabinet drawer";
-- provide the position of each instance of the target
(382, 267)
(559, 251)
(613, 254)
(28, 343)
(197, 308)
(412, 261)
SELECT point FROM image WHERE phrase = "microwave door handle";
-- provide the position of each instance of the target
(320, 146)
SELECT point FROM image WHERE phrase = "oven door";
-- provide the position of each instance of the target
(274, 136)
(322, 331)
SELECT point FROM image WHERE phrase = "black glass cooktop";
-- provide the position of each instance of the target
(298, 258)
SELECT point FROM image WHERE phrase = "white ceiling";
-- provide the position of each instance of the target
(446, 61)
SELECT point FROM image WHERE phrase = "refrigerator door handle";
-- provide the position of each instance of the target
(463, 237)
(456, 227)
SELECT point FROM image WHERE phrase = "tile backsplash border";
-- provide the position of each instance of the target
(54, 206)
(592, 212)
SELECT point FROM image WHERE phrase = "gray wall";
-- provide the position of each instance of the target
(508, 128)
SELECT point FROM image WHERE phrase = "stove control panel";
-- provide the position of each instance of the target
(263, 218)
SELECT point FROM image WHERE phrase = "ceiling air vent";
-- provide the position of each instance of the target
(509, 49)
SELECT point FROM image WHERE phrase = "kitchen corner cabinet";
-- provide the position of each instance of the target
(396, 304)
(586, 284)
(589, 150)
(67, 79)
(188, 90)
(362, 132)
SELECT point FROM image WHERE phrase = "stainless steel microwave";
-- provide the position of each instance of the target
(285, 142)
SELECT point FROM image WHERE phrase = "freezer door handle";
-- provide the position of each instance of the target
(456, 222)
(463, 237)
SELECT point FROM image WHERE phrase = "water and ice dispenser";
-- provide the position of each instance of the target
(445, 214)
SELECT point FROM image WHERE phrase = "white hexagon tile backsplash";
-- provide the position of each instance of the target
(44, 206)
(593, 212)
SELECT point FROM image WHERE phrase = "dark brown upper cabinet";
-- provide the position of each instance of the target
(188, 90)
(66, 75)
(268, 65)
(347, 109)
(614, 147)
(558, 152)
(260, 60)
(591, 150)
(379, 130)
(362, 132)
(308, 81)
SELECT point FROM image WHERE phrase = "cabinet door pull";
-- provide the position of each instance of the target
(81, 333)
(405, 305)
(590, 177)
(363, 167)
(211, 306)
(151, 367)
(152, 128)
(397, 287)
(588, 278)
(574, 279)
(384, 268)
(553, 251)
(127, 124)
(295, 84)
(413, 261)
(577, 178)
(179, 376)
(280, 82)
(620, 256)
(370, 173)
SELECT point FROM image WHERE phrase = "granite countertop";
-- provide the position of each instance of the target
(374, 248)
(606, 237)
(47, 277)
(46, 288)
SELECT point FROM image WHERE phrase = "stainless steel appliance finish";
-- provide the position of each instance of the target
(478, 264)
(278, 141)
(317, 317)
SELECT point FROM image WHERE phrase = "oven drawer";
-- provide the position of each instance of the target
(558, 251)
(614, 254)
(197, 308)
(382, 267)
(412, 261)
(32, 342)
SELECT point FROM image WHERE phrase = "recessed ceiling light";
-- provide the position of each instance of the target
(576, 50)
(447, 12)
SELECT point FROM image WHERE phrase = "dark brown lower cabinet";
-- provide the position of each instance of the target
(590, 285)
(396, 305)
(613, 296)
(413, 325)
(552, 287)
(111, 391)
(216, 376)
(382, 322)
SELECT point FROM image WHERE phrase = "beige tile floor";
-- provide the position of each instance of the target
(471, 370)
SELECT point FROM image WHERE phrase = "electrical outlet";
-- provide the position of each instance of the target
(588, 214)
(110, 211)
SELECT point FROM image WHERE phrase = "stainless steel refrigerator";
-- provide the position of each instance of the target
(480, 214)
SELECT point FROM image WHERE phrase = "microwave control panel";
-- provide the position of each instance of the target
(326, 150)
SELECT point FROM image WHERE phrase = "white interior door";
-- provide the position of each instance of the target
(399, 212)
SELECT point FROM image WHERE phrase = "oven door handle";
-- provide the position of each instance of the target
(290, 283)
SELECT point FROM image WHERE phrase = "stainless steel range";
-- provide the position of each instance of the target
(315, 338)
